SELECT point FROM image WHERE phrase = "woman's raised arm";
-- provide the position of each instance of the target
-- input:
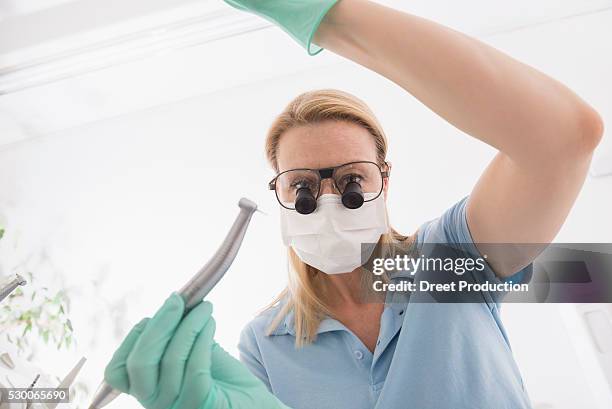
(545, 133)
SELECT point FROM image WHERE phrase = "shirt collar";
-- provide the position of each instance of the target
(287, 325)
(328, 324)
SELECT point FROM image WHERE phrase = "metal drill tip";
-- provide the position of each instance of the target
(245, 203)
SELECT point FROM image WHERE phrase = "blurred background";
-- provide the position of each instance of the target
(129, 129)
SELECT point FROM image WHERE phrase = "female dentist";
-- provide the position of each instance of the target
(320, 346)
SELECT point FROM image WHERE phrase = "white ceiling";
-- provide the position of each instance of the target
(183, 68)
(12, 8)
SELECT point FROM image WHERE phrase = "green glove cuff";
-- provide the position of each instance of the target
(298, 18)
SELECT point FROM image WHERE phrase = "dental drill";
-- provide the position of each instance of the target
(11, 285)
(200, 284)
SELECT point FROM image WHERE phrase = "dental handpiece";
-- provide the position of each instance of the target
(200, 284)
(7, 289)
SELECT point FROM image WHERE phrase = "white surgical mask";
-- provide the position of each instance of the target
(330, 238)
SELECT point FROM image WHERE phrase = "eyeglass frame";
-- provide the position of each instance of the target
(327, 173)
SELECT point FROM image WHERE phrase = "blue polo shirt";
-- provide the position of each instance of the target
(428, 355)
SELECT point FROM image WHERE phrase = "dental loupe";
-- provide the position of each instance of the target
(352, 198)
(305, 202)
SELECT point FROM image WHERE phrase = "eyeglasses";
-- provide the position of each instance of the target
(298, 189)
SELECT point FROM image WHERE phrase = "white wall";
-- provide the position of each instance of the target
(128, 208)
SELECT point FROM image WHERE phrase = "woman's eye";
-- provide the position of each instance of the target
(353, 177)
(298, 184)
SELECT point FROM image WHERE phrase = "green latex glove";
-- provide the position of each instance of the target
(173, 362)
(299, 18)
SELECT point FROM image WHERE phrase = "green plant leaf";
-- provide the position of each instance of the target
(44, 316)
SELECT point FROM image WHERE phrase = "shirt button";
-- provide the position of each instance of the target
(358, 354)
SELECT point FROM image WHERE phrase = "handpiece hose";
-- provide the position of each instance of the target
(200, 284)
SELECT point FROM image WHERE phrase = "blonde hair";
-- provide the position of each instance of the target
(305, 292)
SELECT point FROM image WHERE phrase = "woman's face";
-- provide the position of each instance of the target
(323, 145)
